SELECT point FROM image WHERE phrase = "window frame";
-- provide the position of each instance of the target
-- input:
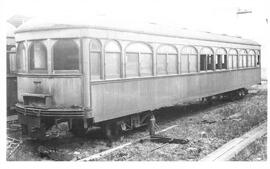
(11, 52)
(139, 54)
(234, 56)
(166, 58)
(78, 43)
(223, 56)
(188, 55)
(96, 77)
(244, 56)
(207, 56)
(106, 77)
(23, 69)
(45, 70)
(258, 58)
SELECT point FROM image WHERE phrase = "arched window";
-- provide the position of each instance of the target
(12, 60)
(242, 58)
(95, 59)
(258, 58)
(167, 61)
(38, 56)
(65, 55)
(232, 59)
(206, 59)
(189, 60)
(139, 60)
(112, 60)
(21, 57)
(251, 58)
(221, 59)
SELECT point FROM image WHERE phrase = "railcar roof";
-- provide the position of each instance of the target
(38, 24)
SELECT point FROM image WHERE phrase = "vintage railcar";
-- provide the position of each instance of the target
(110, 75)
(11, 69)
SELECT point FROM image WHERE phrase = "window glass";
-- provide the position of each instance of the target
(161, 64)
(230, 61)
(207, 59)
(66, 55)
(252, 60)
(234, 61)
(21, 57)
(132, 65)
(112, 60)
(240, 61)
(224, 62)
(38, 56)
(188, 59)
(95, 65)
(218, 61)
(202, 62)
(112, 66)
(139, 60)
(146, 64)
(12, 62)
(210, 62)
(172, 63)
(95, 46)
(244, 60)
(193, 63)
(184, 63)
(95, 55)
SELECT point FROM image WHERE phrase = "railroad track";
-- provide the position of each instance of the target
(233, 147)
(107, 152)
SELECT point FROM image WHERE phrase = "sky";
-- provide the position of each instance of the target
(217, 16)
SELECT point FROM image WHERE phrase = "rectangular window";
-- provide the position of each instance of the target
(230, 61)
(258, 63)
(192, 63)
(146, 68)
(112, 65)
(161, 64)
(184, 63)
(65, 55)
(95, 65)
(244, 61)
(12, 62)
(132, 67)
(172, 63)
(252, 60)
(234, 57)
(218, 61)
(240, 61)
(38, 56)
(202, 62)
(224, 62)
(210, 62)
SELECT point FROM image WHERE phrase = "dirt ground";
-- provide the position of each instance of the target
(206, 127)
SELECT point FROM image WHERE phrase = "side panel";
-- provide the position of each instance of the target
(114, 99)
(65, 91)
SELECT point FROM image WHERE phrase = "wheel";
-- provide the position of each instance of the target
(78, 128)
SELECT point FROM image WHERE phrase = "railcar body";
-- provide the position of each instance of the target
(92, 74)
(11, 69)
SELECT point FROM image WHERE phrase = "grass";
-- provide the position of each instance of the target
(256, 151)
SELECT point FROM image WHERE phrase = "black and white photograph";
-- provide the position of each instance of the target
(94, 81)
